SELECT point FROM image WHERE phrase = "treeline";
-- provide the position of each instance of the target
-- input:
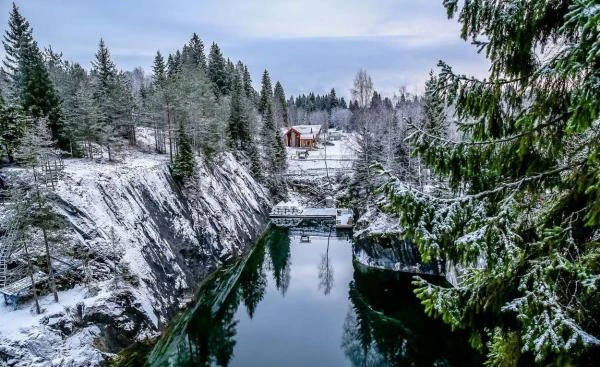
(193, 102)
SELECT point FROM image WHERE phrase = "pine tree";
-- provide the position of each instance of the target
(184, 164)
(521, 214)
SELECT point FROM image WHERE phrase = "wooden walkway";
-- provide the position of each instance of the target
(13, 291)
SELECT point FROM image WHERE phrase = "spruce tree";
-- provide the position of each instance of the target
(29, 82)
(237, 129)
(17, 39)
(13, 126)
(217, 72)
(159, 70)
(196, 47)
(333, 101)
(38, 96)
(280, 105)
(105, 82)
(266, 93)
(521, 214)
(434, 121)
(250, 92)
(184, 164)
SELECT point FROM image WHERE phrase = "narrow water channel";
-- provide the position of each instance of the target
(297, 303)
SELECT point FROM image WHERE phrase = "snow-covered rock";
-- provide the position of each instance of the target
(133, 215)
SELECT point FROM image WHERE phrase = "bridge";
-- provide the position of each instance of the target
(293, 213)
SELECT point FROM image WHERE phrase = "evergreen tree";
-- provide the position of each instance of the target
(196, 47)
(17, 39)
(343, 103)
(255, 166)
(217, 72)
(521, 214)
(13, 126)
(184, 164)
(38, 97)
(231, 73)
(41, 214)
(250, 93)
(333, 101)
(85, 123)
(160, 71)
(238, 131)
(274, 154)
(266, 93)
(280, 106)
(434, 121)
(29, 81)
(105, 82)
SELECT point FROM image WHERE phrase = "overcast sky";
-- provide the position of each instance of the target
(309, 45)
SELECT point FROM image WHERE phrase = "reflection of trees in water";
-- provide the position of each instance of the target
(326, 279)
(386, 326)
(357, 343)
(210, 333)
(211, 339)
(370, 338)
(253, 281)
(278, 242)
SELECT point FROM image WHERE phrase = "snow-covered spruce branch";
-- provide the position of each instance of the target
(447, 71)
(445, 141)
(392, 179)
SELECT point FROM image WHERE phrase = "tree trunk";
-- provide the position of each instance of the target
(50, 270)
(169, 131)
(48, 258)
(33, 286)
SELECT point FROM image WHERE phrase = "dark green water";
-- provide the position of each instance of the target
(291, 303)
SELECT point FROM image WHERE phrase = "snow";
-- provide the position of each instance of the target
(340, 158)
(33, 337)
(130, 212)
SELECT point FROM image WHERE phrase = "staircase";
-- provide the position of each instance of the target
(3, 269)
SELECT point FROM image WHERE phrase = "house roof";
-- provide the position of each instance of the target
(307, 131)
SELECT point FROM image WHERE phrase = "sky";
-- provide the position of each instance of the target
(308, 45)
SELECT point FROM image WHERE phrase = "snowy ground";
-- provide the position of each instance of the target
(335, 158)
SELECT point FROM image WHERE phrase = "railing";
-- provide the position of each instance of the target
(286, 211)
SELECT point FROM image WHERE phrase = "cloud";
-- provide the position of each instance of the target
(309, 45)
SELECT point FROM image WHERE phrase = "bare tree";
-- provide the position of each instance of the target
(363, 88)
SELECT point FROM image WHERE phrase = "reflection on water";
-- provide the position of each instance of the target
(298, 303)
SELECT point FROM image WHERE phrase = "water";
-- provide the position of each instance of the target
(294, 303)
